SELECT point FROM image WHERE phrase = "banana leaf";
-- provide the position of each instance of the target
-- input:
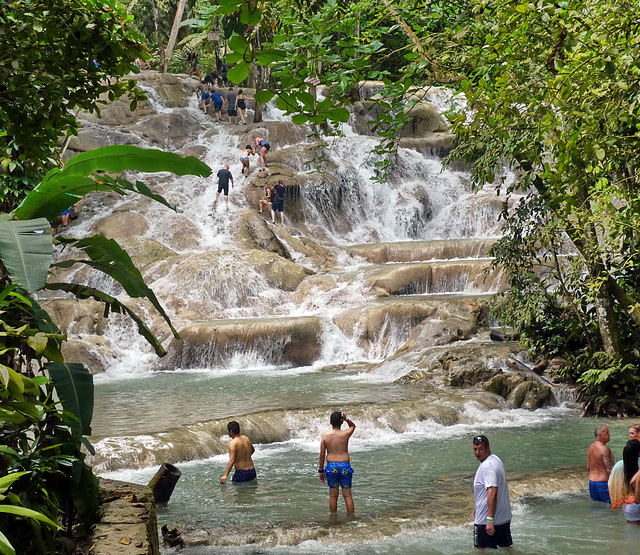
(61, 188)
(111, 304)
(74, 384)
(108, 257)
(26, 254)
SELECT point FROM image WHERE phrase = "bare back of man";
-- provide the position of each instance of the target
(600, 458)
(240, 451)
(334, 445)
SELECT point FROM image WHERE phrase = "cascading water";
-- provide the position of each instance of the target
(388, 275)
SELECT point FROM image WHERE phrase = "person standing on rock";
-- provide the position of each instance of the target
(224, 175)
(600, 461)
(338, 472)
(244, 159)
(240, 451)
(232, 108)
(217, 105)
(277, 204)
(492, 515)
(262, 147)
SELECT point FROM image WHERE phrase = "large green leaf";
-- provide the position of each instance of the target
(29, 513)
(25, 253)
(61, 188)
(113, 305)
(7, 480)
(5, 546)
(74, 384)
(108, 257)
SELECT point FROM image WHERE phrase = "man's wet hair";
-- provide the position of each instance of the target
(336, 419)
(234, 427)
(481, 440)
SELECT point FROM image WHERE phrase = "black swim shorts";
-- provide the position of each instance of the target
(501, 537)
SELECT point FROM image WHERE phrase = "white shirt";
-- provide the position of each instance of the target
(491, 473)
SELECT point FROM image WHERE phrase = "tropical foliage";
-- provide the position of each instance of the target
(58, 56)
(554, 91)
(46, 403)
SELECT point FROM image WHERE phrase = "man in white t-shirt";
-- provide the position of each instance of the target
(492, 516)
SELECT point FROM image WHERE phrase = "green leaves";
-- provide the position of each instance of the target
(108, 257)
(74, 385)
(26, 250)
(61, 188)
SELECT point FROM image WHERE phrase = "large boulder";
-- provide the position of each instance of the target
(295, 341)
(425, 119)
(170, 131)
(121, 225)
(173, 90)
(256, 230)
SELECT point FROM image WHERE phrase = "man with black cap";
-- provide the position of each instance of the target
(492, 515)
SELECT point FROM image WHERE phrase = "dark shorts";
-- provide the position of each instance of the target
(501, 537)
(232, 113)
(217, 107)
(244, 475)
(338, 474)
(278, 205)
(224, 188)
(599, 491)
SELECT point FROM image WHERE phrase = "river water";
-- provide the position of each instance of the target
(411, 451)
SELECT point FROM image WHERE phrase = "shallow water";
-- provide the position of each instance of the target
(413, 492)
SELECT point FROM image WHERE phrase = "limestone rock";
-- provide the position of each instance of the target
(168, 131)
(295, 341)
(122, 225)
(261, 235)
(425, 119)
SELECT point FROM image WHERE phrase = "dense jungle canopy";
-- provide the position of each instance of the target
(552, 90)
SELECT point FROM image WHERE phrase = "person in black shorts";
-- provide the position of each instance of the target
(492, 515)
(241, 104)
(224, 175)
(262, 147)
(231, 107)
(278, 202)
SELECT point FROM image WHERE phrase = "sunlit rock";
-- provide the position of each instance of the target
(295, 341)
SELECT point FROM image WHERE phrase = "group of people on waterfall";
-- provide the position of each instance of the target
(273, 198)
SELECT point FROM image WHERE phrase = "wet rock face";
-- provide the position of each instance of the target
(295, 341)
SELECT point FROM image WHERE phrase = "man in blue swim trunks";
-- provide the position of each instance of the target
(600, 461)
(338, 472)
(240, 451)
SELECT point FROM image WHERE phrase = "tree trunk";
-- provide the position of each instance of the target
(156, 23)
(261, 78)
(174, 33)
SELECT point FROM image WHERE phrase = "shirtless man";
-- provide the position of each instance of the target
(240, 451)
(599, 464)
(338, 471)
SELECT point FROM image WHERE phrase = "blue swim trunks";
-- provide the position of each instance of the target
(244, 475)
(599, 491)
(338, 474)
